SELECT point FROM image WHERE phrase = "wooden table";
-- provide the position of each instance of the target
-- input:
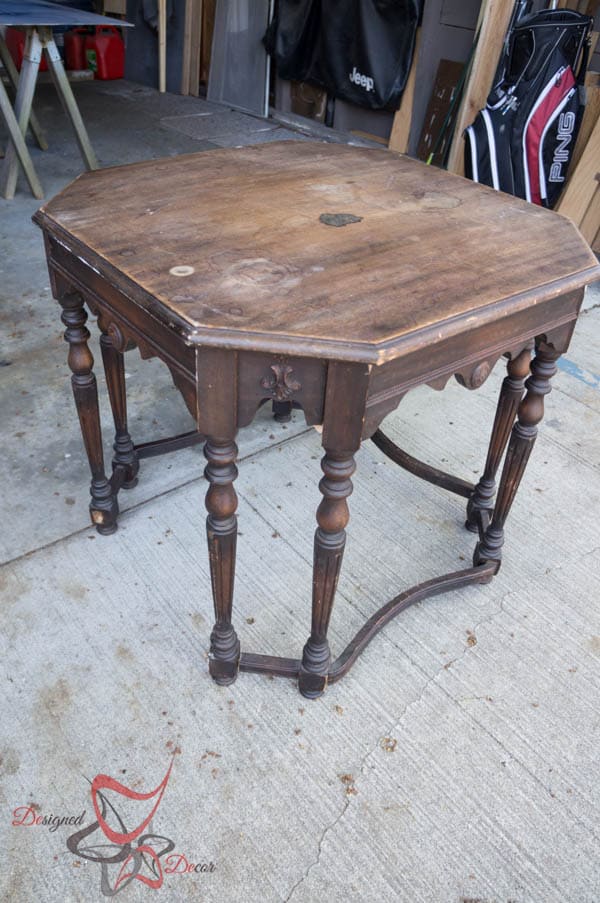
(37, 18)
(331, 277)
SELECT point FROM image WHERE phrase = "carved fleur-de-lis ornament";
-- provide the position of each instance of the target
(280, 383)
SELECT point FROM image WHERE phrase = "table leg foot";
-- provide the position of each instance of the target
(314, 669)
(480, 559)
(522, 440)
(511, 394)
(224, 659)
(221, 531)
(310, 685)
(104, 507)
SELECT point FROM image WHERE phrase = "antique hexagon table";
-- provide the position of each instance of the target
(329, 277)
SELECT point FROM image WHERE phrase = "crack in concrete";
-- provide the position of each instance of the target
(446, 666)
(433, 679)
(316, 862)
(584, 404)
(397, 722)
(510, 755)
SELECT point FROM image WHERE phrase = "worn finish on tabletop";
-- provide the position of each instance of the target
(267, 274)
(328, 278)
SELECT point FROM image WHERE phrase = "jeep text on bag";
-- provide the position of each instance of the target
(357, 50)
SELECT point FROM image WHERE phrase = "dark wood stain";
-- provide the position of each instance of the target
(217, 264)
(430, 246)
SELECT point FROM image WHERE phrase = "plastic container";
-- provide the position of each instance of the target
(105, 52)
(15, 41)
(75, 48)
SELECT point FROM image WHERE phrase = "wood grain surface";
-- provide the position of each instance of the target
(230, 243)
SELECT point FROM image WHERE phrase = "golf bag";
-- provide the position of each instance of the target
(522, 142)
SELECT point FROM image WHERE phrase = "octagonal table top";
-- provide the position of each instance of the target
(314, 248)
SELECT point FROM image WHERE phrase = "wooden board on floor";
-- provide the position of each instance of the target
(587, 7)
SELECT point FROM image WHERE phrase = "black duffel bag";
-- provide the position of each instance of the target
(357, 50)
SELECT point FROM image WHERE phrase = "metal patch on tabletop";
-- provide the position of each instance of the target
(339, 219)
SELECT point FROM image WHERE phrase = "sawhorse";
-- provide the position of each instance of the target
(39, 40)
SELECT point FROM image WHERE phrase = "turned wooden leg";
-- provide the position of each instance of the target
(221, 530)
(114, 368)
(511, 394)
(330, 539)
(103, 507)
(523, 436)
(282, 411)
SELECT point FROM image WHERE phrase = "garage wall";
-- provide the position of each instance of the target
(141, 58)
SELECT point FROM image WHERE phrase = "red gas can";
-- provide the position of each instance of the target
(75, 48)
(105, 52)
(15, 41)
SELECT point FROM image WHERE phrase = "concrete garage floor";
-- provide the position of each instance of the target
(459, 759)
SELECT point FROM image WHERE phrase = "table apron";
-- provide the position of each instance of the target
(113, 307)
(256, 376)
(470, 356)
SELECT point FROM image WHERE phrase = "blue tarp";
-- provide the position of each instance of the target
(39, 12)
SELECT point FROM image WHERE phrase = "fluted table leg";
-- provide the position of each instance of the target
(345, 402)
(330, 539)
(103, 507)
(511, 394)
(523, 436)
(221, 530)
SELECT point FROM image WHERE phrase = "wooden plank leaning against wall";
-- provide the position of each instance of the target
(192, 38)
(400, 134)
